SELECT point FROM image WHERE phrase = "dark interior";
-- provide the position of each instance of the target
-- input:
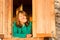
(27, 6)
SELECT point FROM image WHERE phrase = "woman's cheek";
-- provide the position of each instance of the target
(25, 20)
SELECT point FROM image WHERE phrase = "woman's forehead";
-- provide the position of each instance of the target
(22, 14)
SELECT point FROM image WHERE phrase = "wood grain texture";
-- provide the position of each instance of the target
(1, 16)
(24, 38)
(43, 18)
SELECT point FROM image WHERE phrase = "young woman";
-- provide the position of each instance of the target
(22, 27)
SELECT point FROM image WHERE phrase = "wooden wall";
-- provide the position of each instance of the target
(43, 18)
(5, 18)
(1, 11)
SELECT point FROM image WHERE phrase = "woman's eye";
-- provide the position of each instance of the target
(24, 16)
(20, 16)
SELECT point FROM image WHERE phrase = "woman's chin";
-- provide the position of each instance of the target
(24, 22)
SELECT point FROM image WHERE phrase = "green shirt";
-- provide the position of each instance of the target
(21, 32)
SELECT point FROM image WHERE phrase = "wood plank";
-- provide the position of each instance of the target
(44, 35)
(24, 38)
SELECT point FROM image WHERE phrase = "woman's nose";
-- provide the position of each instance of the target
(23, 17)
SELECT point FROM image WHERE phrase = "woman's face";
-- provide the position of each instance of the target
(22, 18)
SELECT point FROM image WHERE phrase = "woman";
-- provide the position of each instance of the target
(22, 27)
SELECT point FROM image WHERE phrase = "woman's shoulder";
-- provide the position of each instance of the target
(14, 22)
(30, 22)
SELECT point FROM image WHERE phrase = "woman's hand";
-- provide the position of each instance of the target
(28, 35)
